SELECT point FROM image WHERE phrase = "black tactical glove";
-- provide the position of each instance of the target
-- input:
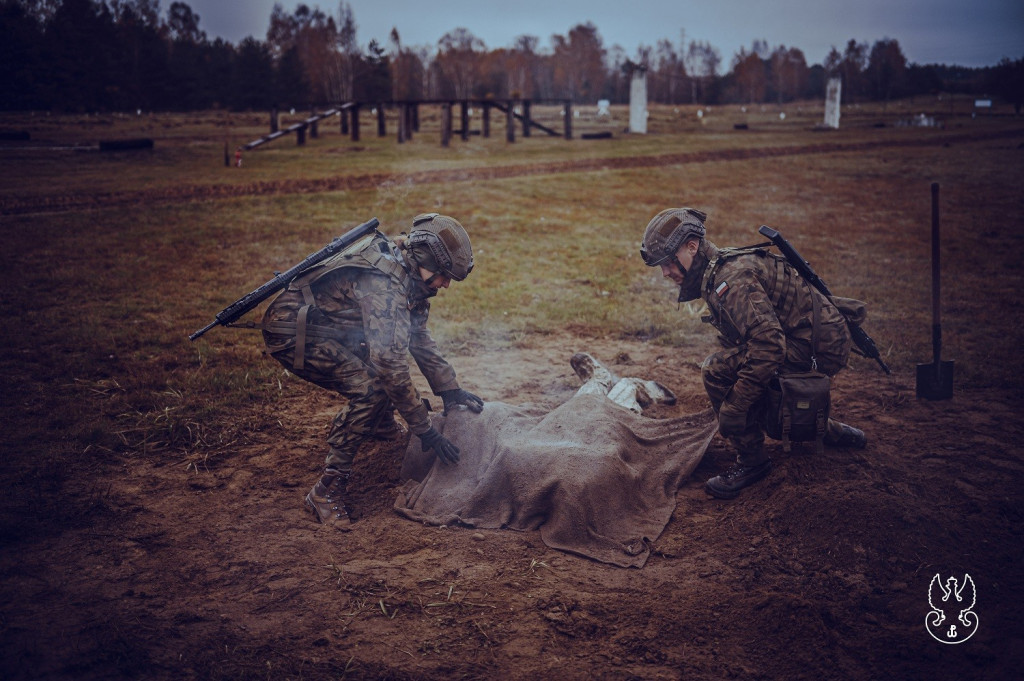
(453, 398)
(731, 422)
(441, 445)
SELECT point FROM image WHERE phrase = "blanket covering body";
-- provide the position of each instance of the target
(594, 478)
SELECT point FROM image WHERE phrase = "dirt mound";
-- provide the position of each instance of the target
(152, 570)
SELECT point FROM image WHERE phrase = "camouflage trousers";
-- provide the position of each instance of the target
(720, 372)
(330, 365)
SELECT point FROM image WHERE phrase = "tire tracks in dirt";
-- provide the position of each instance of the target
(59, 203)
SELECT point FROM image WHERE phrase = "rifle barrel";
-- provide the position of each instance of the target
(203, 330)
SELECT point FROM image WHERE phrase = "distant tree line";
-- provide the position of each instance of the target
(102, 55)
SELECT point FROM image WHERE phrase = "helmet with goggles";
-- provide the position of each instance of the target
(443, 245)
(667, 231)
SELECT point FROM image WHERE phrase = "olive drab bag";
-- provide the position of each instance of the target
(797, 404)
(797, 407)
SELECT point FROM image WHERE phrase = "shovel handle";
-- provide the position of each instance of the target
(936, 289)
(935, 254)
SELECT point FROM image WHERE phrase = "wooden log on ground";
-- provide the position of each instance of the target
(126, 145)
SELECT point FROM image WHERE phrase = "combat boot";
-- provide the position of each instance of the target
(728, 484)
(326, 501)
(849, 437)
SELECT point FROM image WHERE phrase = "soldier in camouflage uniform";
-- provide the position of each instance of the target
(763, 311)
(349, 324)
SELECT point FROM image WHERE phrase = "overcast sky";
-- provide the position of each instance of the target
(961, 32)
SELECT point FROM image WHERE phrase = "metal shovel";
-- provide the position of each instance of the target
(935, 380)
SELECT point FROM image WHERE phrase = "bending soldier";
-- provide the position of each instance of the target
(349, 324)
(763, 311)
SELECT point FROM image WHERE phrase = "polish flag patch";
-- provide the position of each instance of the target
(721, 289)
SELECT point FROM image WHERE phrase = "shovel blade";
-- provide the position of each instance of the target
(935, 380)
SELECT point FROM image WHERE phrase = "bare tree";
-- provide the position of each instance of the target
(458, 60)
(345, 62)
(749, 71)
(669, 72)
(579, 63)
(789, 73)
(702, 62)
(406, 67)
(851, 68)
(617, 85)
(521, 67)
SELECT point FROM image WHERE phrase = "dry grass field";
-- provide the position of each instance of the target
(151, 523)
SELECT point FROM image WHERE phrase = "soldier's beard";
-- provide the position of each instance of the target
(417, 258)
(421, 289)
(690, 288)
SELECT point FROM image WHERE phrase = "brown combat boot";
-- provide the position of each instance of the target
(326, 503)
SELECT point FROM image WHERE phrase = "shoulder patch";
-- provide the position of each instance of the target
(721, 289)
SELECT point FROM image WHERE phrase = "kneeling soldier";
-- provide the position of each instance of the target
(763, 311)
(349, 324)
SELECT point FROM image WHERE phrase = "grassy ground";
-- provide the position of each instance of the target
(110, 294)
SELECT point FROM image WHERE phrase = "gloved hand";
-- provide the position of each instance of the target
(453, 398)
(441, 445)
(731, 421)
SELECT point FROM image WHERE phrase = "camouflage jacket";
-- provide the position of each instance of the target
(379, 306)
(757, 301)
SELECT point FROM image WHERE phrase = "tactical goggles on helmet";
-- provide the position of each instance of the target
(442, 244)
(667, 231)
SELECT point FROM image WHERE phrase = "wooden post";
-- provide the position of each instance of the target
(381, 124)
(446, 123)
(409, 116)
(568, 119)
(416, 117)
(343, 115)
(526, 118)
(465, 119)
(401, 122)
(487, 119)
(300, 136)
(355, 122)
(510, 122)
(273, 119)
(314, 129)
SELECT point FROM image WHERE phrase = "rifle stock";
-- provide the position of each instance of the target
(235, 310)
(860, 338)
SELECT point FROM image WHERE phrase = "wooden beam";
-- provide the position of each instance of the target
(510, 113)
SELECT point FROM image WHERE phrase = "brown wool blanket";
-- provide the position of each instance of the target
(595, 478)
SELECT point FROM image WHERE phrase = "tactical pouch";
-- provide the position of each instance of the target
(797, 408)
(797, 404)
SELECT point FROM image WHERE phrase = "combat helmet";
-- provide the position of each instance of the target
(447, 242)
(667, 231)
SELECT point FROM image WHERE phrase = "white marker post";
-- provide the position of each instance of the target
(638, 101)
(832, 96)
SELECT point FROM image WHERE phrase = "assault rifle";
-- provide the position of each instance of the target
(861, 339)
(235, 310)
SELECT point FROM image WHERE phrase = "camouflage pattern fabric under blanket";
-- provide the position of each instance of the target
(596, 479)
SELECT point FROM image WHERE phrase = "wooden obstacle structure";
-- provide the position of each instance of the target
(409, 120)
(299, 129)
